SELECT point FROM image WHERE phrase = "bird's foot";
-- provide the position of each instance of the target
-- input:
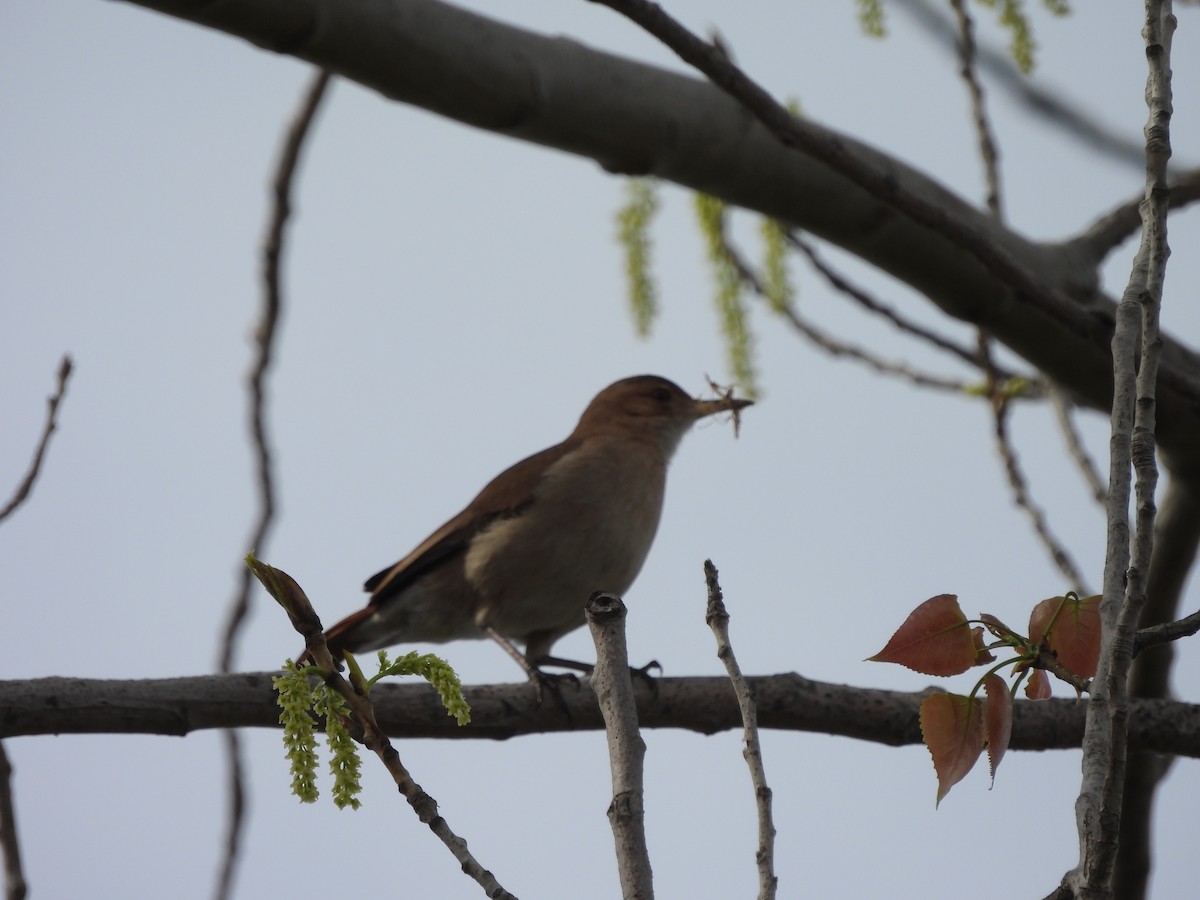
(644, 674)
(552, 682)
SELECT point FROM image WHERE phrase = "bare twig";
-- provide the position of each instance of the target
(1111, 229)
(626, 750)
(306, 622)
(1020, 486)
(837, 348)
(831, 345)
(1105, 746)
(996, 392)
(1168, 631)
(1058, 112)
(1074, 442)
(265, 338)
(717, 618)
(865, 300)
(15, 886)
(26, 485)
(983, 128)
(832, 150)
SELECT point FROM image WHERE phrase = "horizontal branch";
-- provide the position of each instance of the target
(635, 118)
(179, 706)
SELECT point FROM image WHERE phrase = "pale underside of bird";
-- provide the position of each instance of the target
(519, 563)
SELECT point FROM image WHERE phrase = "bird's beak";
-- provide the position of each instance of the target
(702, 408)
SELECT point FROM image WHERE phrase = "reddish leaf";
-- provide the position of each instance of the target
(999, 720)
(1038, 685)
(1074, 631)
(982, 653)
(934, 640)
(952, 726)
(995, 626)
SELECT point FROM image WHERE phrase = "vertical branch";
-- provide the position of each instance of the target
(15, 887)
(983, 128)
(1098, 809)
(1176, 540)
(1074, 442)
(718, 620)
(996, 390)
(626, 749)
(265, 339)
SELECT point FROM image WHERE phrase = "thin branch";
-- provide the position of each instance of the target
(26, 485)
(1057, 112)
(836, 153)
(837, 348)
(1135, 370)
(1110, 230)
(1020, 486)
(612, 682)
(996, 391)
(819, 338)
(307, 623)
(265, 338)
(1168, 631)
(983, 129)
(15, 886)
(865, 300)
(717, 618)
(1074, 441)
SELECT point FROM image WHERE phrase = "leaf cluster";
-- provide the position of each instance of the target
(304, 701)
(938, 639)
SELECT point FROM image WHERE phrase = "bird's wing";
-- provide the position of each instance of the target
(508, 494)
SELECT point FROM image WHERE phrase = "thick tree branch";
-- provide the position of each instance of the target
(638, 119)
(179, 706)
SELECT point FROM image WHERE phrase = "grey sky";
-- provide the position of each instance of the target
(454, 299)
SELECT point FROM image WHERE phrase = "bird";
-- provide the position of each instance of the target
(519, 563)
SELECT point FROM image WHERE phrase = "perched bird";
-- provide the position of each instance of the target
(520, 562)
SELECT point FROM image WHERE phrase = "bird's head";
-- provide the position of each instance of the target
(650, 407)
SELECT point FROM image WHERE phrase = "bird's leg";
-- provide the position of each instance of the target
(528, 668)
(560, 663)
(539, 678)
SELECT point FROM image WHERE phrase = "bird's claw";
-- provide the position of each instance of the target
(644, 674)
(544, 682)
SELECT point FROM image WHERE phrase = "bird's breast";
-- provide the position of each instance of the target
(589, 527)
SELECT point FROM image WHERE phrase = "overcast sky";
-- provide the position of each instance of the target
(454, 299)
